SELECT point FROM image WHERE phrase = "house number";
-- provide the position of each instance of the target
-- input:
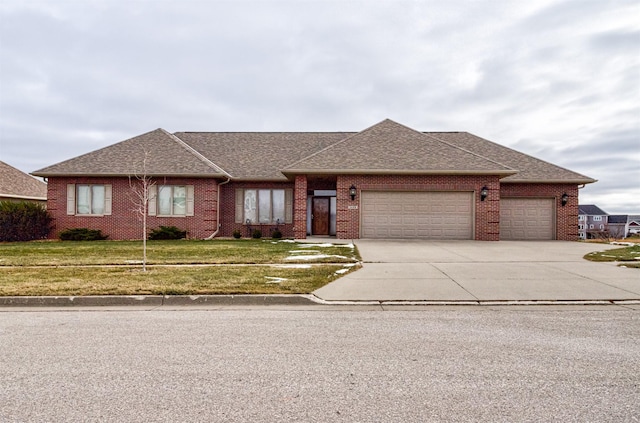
(353, 207)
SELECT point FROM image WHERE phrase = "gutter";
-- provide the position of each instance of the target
(213, 235)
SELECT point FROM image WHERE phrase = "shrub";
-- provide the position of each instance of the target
(257, 234)
(276, 234)
(237, 234)
(82, 234)
(23, 221)
(167, 232)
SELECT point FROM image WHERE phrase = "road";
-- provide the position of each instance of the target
(437, 364)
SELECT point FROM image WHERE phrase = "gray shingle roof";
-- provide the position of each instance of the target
(387, 147)
(617, 218)
(530, 169)
(258, 155)
(591, 210)
(17, 184)
(164, 153)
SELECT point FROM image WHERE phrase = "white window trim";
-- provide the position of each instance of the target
(153, 201)
(71, 200)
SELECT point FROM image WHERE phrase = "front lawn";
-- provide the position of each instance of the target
(175, 267)
(628, 256)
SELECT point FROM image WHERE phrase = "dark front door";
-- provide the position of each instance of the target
(320, 216)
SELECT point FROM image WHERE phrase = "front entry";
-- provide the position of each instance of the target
(320, 216)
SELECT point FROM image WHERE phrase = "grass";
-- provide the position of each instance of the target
(177, 267)
(628, 256)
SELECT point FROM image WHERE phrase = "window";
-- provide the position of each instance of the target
(601, 227)
(89, 199)
(591, 226)
(582, 217)
(597, 218)
(171, 200)
(264, 206)
(581, 227)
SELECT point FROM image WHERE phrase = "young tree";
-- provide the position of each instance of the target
(140, 185)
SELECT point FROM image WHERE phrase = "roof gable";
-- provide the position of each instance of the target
(389, 147)
(17, 184)
(154, 153)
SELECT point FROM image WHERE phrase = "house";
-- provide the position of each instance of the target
(592, 221)
(622, 225)
(16, 185)
(387, 181)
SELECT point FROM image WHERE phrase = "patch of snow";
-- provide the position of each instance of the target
(341, 271)
(293, 266)
(314, 256)
(316, 245)
(287, 240)
(274, 279)
(304, 251)
(133, 261)
(629, 244)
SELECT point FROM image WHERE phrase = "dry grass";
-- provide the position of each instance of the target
(203, 267)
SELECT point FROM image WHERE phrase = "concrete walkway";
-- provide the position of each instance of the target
(471, 271)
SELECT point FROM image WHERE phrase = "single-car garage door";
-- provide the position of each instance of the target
(427, 215)
(526, 218)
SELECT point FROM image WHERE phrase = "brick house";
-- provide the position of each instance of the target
(387, 181)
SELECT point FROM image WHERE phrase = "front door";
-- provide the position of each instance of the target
(320, 216)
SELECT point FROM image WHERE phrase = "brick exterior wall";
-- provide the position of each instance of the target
(124, 222)
(566, 217)
(228, 210)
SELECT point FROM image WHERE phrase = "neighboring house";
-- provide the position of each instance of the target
(16, 185)
(592, 221)
(622, 225)
(388, 181)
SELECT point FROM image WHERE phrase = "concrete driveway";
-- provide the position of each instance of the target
(461, 271)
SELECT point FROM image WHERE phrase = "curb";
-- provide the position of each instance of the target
(267, 300)
(154, 300)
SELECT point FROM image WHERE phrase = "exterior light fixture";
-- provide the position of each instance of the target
(352, 192)
(484, 192)
(564, 199)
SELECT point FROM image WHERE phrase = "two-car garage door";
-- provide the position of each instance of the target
(427, 215)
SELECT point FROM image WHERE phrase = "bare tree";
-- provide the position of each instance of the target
(140, 185)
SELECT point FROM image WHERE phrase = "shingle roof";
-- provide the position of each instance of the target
(258, 155)
(387, 147)
(164, 154)
(17, 184)
(617, 218)
(530, 169)
(390, 147)
(591, 210)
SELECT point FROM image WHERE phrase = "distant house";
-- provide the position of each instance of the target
(387, 181)
(623, 225)
(592, 221)
(16, 185)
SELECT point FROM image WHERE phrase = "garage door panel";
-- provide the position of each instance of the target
(427, 215)
(527, 219)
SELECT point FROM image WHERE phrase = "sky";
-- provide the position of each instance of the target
(556, 79)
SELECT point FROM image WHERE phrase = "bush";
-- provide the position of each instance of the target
(167, 232)
(23, 221)
(276, 234)
(237, 234)
(257, 234)
(82, 234)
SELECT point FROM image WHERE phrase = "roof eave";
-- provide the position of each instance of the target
(126, 175)
(23, 197)
(549, 181)
(501, 173)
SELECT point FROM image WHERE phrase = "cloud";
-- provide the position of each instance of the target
(553, 78)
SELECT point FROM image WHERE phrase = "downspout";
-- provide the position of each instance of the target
(213, 235)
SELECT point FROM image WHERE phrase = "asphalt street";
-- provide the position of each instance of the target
(264, 364)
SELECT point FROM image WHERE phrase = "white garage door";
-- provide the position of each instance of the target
(427, 215)
(526, 218)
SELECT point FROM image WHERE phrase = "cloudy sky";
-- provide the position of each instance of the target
(557, 79)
